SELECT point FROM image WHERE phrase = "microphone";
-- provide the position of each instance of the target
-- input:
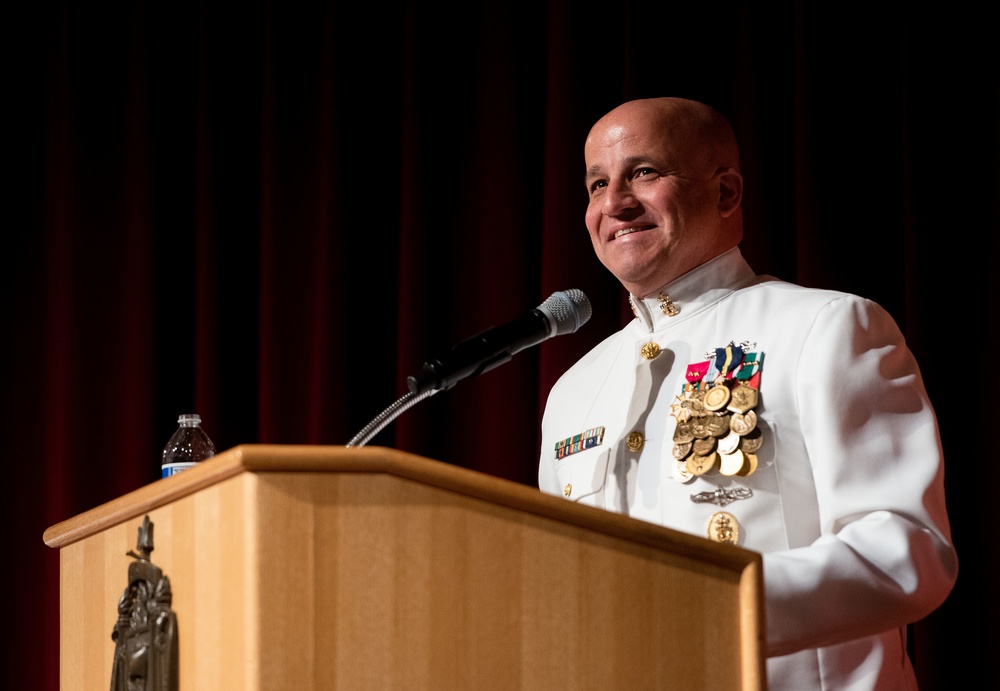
(564, 312)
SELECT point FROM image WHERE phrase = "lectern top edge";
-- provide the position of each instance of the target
(265, 458)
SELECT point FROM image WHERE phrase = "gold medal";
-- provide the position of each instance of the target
(682, 433)
(717, 425)
(742, 399)
(680, 409)
(731, 463)
(698, 427)
(723, 527)
(681, 472)
(695, 402)
(681, 451)
(699, 465)
(752, 440)
(729, 443)
(742, 423)
(717, 397)
(749, 466)
(703, 447)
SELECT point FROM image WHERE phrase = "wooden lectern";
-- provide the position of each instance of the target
(329, 568)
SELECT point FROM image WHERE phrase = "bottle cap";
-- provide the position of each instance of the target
(189, 419)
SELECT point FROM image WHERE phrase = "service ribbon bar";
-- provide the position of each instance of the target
(579, 442)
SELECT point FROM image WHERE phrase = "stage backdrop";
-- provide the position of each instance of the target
(272, 213)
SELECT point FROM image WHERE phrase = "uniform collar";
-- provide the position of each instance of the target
(693, 291)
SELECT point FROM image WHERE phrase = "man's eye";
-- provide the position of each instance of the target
(598, 184)
(642, 172)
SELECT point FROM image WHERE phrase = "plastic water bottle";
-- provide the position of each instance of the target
(188, 445)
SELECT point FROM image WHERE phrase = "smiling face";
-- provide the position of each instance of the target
(665, 191)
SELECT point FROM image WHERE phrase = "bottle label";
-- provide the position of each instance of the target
(169, 469)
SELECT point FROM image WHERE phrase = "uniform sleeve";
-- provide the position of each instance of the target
(884, 557)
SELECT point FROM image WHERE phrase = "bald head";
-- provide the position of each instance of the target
(665, 190)
(694, 128)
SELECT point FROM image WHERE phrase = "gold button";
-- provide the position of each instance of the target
(634, 441)
(567, 489)
(650, 350)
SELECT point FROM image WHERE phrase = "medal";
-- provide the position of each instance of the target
(717, 397)
(751, 441)
(729, 443)
(742, 399)
(731, 463)
(743, 424)
(682, 433)
(699, 465)
(681, 473)
(749, 466)
(716, 424)
(703, 447)
(681, 451)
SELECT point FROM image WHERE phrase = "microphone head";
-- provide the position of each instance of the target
(567, 311)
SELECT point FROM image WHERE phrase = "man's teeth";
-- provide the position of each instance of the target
(625, 231)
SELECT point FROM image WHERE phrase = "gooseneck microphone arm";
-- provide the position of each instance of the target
(404, 403)
(563, 312)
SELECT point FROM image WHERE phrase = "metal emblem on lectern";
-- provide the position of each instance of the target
(145, 633)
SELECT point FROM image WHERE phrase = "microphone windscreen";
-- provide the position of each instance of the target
(567, 311)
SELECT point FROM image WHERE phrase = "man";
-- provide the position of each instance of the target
(788, 421)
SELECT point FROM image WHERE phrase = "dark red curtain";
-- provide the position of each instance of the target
(272, 213)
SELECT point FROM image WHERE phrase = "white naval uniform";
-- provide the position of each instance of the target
(847, 502)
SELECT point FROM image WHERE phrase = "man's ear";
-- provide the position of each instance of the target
(730, 191)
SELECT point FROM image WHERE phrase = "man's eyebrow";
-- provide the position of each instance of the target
(633, 161)
(628, 163)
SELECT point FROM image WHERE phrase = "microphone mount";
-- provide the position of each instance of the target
(563, 312)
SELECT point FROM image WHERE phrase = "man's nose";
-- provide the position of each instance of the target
(619, 197)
